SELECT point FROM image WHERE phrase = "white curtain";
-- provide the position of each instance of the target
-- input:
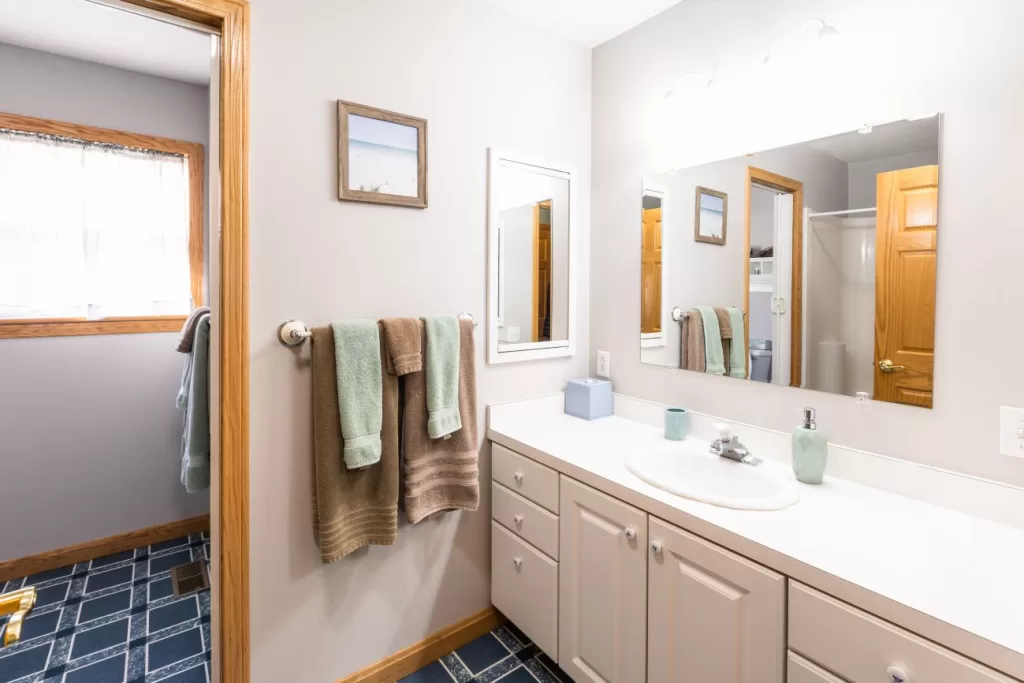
(91, 231)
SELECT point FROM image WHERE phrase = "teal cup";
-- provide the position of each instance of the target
(677, 423)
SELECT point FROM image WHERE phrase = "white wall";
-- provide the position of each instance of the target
(864, 180)
(476, 75)
(762, 217)
(517, 278)
(950, 60)
(91, 437)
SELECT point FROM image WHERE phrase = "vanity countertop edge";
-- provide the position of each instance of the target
(942, 574)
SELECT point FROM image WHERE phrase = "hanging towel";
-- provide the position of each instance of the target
(188, 330)
(194, 398)
(712, 341)
(358, 507)
(441, 474)
(404, 337)
(442, 360)
(738, 346)
(725, 327)
(358, 358)
(692, 336)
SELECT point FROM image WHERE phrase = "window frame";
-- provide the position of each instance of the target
(14, 328)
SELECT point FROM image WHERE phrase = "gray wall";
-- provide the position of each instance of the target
(476, 74)
(91, 439)
(948, 70)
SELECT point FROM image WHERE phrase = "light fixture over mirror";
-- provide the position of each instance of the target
(811, 265)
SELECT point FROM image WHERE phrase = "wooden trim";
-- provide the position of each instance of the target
(193, 153)
(347, 194)
(101, 547)
(697, 237)
(796, 188)
(432, 648)
(231, 17)
(68, 327)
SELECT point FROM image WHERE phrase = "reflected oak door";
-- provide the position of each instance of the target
(905, 249)
(650, 273)
(712, 615)
(602, 590)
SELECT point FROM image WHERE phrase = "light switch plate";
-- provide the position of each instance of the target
(1011, 422)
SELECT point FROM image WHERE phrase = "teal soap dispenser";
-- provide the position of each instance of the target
(810, 450)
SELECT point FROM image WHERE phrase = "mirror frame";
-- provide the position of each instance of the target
(529, 350)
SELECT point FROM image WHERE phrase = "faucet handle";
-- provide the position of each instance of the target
(724, 431)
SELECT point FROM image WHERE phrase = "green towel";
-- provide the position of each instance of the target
(738, 347)
(360, 390)
(194, 398)
(442, 361)
(712, 341)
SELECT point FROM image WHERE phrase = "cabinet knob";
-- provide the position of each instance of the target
(518, 519)
(897, 675)
(518, 476)
(656, 547)
(630, 533)
(517, 561)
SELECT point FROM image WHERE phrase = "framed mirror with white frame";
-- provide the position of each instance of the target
(531, 235)
(822, 277)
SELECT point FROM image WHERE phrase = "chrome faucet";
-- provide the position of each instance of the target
(728, 446)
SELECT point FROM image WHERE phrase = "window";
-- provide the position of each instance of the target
(101, 232)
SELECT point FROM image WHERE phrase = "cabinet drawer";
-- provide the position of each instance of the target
(861, 647)
(803, 671)
(530, 522)
(529, 479)
(524, 586)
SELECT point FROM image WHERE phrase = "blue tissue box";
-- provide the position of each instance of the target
(588, 398)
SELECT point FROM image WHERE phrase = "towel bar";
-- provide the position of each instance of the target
(678, 314)
(294, 332)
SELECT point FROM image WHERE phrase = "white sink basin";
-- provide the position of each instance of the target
(685, 471)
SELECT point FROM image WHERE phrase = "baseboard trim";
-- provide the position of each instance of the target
(62, 557)
(418, 655)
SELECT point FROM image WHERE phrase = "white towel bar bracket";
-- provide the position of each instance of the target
(295, 332)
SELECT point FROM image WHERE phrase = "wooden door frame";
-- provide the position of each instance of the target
(758, 176)
(231, 19)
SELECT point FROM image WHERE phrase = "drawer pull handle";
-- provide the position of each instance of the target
(897, 675)
(656, 547)
(517, 561)
(518, 476)
(518, 519)
(630, 534)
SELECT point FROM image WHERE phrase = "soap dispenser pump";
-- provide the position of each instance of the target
(810, 449)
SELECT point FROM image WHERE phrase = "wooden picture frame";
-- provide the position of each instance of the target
(384, 156)
(710, 239)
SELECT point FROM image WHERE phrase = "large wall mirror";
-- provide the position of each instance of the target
(811, 265)
(531, 289)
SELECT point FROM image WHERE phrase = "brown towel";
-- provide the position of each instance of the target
(692, 353)
(188, 330)
(351, 508)
(725, 325)
(405, 345)
(441, 474)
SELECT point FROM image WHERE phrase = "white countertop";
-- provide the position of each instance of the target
(961, 570)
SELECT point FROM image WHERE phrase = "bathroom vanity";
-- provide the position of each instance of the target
(620, 581)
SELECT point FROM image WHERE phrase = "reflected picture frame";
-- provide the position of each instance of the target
(708, 221)
(378, 148)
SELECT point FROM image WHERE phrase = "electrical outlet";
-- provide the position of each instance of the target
(1011, 431)
(604, 364)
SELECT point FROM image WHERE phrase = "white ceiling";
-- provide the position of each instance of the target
(94, 33)
(887, 140)
(590, 22)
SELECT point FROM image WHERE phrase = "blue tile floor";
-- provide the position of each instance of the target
(504, 654)
(114, 620)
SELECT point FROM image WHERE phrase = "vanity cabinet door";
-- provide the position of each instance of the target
(602, 587)
(712, 615)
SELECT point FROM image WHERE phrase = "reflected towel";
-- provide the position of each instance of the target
(737, 345)
(692, 353)
(195, 443)
(713, 352)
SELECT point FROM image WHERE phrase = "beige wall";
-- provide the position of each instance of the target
(937, 56)
(477, 75)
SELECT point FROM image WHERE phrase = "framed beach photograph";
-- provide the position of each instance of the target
(711, 217)
(382, 156)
